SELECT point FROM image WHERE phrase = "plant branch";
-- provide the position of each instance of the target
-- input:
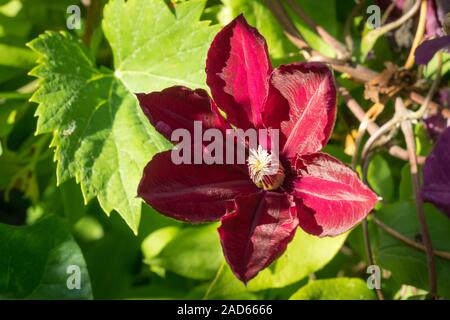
(419, 34)
(372, 127)
(411, 147)
(382, 136)
(401, 117)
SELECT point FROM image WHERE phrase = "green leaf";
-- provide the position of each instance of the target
(16, 57)
(424, 144)
(335, 289)
(194, 252)
(100, 134)
(405, 190)
(43, 14)
(155, 48)
(14, 61)
(13, 27)
(380, 177)
(408, 265)
(36, 262)
(368, 42)
(88, 229)
(155, 242)
(432, 66)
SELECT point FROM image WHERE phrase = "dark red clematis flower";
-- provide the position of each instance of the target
(259, 212)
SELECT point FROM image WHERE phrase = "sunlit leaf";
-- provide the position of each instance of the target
(101, 136)
(335, 289)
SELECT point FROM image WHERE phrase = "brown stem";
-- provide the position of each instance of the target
(411, 147)
(358, 72)
(417, 98)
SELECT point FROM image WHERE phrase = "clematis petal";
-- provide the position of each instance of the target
(331, 197)
(257, 232)
(192, 192)
(276, 109)
(178, 107)
(310, 91)
(427, 49)
(436, 174)
(238, 69)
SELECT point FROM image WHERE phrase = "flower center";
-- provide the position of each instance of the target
(265, 169)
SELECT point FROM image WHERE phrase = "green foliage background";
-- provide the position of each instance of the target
(73, 143)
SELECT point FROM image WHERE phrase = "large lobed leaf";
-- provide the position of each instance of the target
(101, 137)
